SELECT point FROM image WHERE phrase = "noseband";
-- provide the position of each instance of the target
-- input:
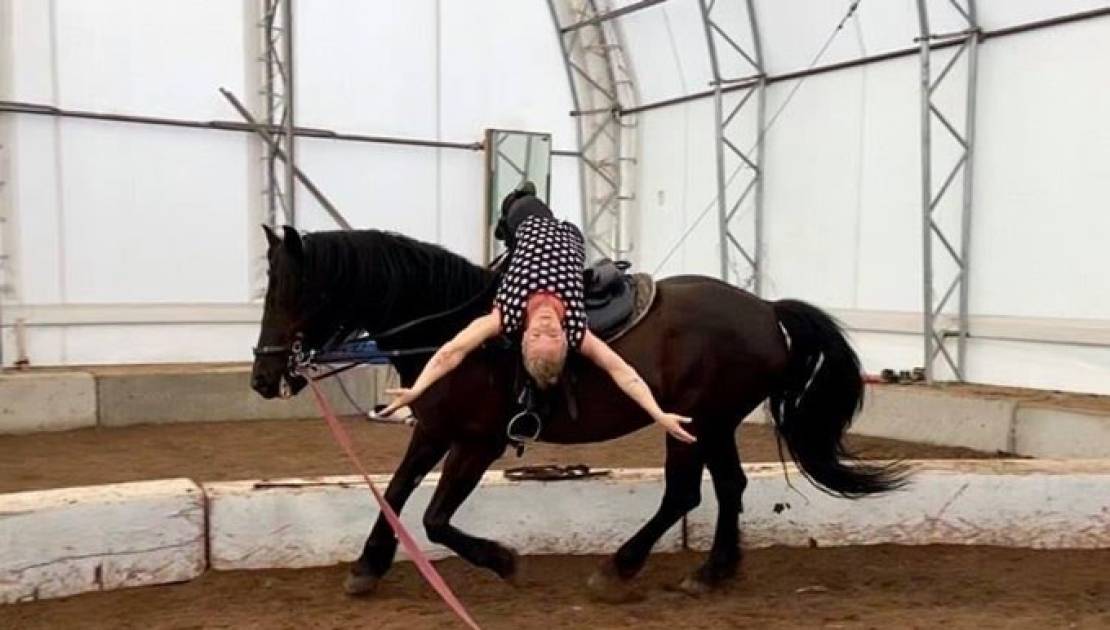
(294, 350)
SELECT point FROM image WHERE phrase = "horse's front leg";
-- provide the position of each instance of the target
(423, 453)
(465, 465)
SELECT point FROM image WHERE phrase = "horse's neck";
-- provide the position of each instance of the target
(397, 301)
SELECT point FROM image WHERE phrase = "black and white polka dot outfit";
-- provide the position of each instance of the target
(548, 256)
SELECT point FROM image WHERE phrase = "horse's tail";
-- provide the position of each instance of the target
(820, 393)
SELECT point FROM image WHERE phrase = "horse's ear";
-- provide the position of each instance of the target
(292, 241)
(271, 236)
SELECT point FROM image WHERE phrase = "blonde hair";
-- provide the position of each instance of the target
(544, 368)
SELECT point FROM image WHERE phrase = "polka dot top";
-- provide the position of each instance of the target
(548, 256)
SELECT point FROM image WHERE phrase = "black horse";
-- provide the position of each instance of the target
(707, 349)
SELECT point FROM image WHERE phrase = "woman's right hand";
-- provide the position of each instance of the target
(404, 396)
(673, 422)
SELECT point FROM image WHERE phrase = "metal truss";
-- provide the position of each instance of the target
(741, 230)
(278, 98)
(5, 228)
(946, 244)
(601, 81)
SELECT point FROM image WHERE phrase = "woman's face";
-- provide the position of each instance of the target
(544, 335)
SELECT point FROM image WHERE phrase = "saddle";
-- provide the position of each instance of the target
(615, 300)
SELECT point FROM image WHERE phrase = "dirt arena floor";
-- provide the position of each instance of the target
(858, 587)
(300, 448)
(882, 587)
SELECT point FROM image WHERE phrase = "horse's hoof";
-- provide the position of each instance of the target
(607, 586)
(511, 572)
(360, 584)
(694, 586)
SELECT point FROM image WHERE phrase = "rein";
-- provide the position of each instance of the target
(334, 356)
(301, 363)
(408, 543)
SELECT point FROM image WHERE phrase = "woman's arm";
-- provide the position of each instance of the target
(447, 358)
(626, 377)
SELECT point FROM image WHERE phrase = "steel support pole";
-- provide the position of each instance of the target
(290, 98)
(729, 210)
(278, 97)
(926, 186)
(969, 182)
(718, 146)
(722, 182)
(38, 109)
(270, 95)
(936, 332)
(7, 223)
(5, 228)
(761, 130)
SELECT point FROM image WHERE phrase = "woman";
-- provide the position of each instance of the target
(540, 303)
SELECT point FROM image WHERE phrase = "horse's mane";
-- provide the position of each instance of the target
(368, 274)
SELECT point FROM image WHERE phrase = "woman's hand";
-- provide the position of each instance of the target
(673, 422)
(630, 383)
(404, 396)
(447, 358)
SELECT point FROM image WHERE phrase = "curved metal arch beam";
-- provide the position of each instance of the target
(600, 81)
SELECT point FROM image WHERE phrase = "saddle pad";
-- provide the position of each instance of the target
(643, 290)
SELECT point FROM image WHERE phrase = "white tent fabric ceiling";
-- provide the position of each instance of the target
(668, 47)
(94, 202)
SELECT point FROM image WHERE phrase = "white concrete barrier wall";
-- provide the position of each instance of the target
(983, 422)
(216, 393)
(937, 417)
(53, 401)
(59, 401)
(47, 401)
(314, 522)
(1052, 432)
(55, 543)
(1009, 503)
(1049, 505)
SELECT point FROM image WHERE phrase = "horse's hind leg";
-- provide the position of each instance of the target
(729, 482)
(424, 452)
(465, 465)
(682, 493)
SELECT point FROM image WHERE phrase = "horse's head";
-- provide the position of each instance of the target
(284, 318)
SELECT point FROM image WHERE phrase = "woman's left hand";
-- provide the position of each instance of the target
(404, 396)
(673, 422)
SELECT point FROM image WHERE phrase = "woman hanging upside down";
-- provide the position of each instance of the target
(540, 303)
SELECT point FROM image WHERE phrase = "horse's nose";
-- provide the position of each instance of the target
(258, 384)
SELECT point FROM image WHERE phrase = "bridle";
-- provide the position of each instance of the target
(294, 351)
(297, 356)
